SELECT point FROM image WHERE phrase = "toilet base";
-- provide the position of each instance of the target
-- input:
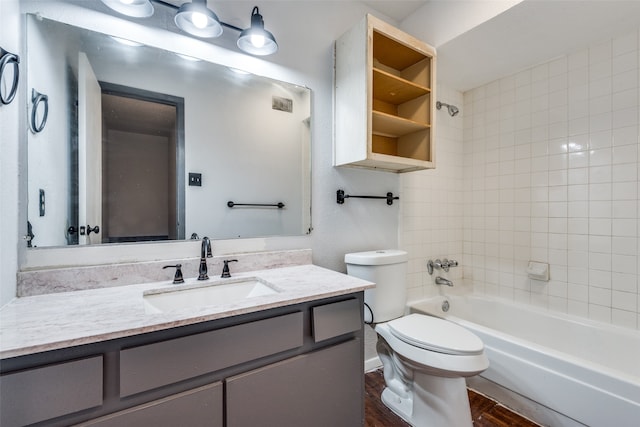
(400, 406)
(435, 401)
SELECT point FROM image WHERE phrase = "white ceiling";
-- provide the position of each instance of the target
(478, 41)
(530, 33)
(396, 9)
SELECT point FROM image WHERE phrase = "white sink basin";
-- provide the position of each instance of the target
(203, 294)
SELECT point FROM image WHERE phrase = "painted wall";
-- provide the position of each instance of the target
(11, 124)
(49, 150)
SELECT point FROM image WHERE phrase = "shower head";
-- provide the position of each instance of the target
(453, 110)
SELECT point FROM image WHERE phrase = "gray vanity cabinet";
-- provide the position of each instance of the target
(297, 365)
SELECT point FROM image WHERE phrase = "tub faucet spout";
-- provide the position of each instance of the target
(205, 252)
(443, 281)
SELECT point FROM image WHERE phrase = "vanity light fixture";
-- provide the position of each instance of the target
(197, 19)
(255, 39)
(133, 8)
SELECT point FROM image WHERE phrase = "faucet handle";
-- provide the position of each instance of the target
(431, 265)
(448, 263)
(225, 269)
(177, 278)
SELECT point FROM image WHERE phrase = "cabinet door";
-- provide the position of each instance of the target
(198, 407)
(324, 388)
(47, 392)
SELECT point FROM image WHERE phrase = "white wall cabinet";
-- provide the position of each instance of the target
(384, 99)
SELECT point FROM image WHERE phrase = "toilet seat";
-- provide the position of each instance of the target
(435, 334)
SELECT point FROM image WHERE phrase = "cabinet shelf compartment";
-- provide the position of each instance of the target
(392, 126)
(395, 90)
(411, 146)
(405, 60)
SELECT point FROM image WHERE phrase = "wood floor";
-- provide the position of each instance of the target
(484, 412)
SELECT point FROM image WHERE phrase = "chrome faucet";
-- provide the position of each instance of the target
(445, 264)
(205, 252)
(443, 281)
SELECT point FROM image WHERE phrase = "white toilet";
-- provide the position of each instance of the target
(425, 358)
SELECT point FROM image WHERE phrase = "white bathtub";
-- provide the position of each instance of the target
(558, 370)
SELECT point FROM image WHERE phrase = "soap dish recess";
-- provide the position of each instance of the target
(538, 271)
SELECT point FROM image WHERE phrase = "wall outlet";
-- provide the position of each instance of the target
(195, 179)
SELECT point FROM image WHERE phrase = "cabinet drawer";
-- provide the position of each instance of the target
(338, 318)
(155, 365)
(43, 393)
(198, 407)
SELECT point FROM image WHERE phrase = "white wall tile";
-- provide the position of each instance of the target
(548, 170)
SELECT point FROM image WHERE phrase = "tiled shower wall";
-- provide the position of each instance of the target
(541, 165)
(550, 173)
(432, 204)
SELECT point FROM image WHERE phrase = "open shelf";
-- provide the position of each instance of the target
(398, 74)
(394, 126)
(393, 89)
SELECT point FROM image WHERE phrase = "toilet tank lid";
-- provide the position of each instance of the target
(380, 257)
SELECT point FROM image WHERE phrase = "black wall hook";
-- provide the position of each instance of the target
(9, 59)
(340, 196)
(37, 98)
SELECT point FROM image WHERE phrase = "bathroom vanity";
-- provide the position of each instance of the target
(290, 358)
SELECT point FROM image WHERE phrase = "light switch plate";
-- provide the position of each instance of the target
(195, 179)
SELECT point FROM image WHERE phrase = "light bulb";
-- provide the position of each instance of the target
(257, 40)
(199, 19)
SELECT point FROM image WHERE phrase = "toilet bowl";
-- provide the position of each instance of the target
(425, 359)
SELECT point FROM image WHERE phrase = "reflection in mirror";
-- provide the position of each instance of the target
(127, 127)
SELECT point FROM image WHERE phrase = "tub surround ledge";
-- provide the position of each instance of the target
(53, 321)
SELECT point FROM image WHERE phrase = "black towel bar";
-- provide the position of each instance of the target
(340, 196)
(278, 205)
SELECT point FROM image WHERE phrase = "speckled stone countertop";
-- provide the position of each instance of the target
(48, 322)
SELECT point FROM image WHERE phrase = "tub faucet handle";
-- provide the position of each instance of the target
(431, 265)
(448, 263)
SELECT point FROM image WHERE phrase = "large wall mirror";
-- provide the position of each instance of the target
(130, 143)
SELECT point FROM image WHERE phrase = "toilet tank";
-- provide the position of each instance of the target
(388, 270)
